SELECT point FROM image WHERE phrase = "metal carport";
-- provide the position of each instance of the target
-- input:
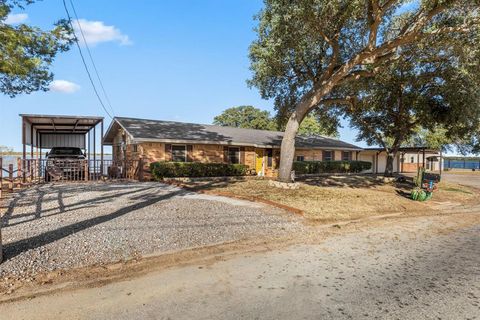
(47, 131)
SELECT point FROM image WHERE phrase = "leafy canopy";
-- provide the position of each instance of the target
(430, 93)
(306, 48)
(27, 52)
(245, 117)
(253, 118)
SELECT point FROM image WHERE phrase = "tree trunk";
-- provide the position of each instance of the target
(287, 151)
(389, 166)
(309, 101)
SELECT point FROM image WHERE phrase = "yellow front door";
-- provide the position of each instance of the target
(259, 160)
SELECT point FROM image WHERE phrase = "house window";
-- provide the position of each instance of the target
(234, 155)
(269, 158)
(300, 158)
(135, 148)
(179, 153)
(412, 159)
(327, 155)
(346, 156)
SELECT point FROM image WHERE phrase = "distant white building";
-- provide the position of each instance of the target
(406, 160)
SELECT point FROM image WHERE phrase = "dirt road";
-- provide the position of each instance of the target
(415, 268)
(471, 179)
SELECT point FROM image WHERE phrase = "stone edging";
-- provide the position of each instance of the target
(284, 185)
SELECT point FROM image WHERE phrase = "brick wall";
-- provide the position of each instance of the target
(211, 153)
(206, 153)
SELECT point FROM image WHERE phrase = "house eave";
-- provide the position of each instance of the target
(232, 143)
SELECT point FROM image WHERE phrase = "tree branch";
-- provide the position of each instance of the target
(334, 44)
(348, 100)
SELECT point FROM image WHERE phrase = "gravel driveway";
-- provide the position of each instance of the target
(71, 225)
(418, 268)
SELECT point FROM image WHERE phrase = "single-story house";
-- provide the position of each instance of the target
(156, 140)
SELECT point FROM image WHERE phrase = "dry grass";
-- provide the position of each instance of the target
(342, 198)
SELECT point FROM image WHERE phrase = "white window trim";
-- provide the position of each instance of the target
(184, 147)
(331, 155)
(239, 154)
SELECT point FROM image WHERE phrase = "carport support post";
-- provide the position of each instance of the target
(88, 147)
(440, 162)
(423, 155)
(94, 153)
(101, 146)
(24, 151)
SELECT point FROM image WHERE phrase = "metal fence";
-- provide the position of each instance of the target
(26, 172)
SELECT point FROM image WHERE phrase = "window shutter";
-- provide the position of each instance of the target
(324, 155)
(225, 154)
(242, 155)
(333, 155)
(168, 152)
(189, 153)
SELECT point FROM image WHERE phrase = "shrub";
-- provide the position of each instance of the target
(315, 167)
(162, 170)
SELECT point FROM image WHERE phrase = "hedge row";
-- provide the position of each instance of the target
(314, 167)
(162, 170)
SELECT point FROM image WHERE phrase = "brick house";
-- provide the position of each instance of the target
(156, 140)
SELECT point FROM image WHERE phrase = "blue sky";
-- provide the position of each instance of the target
(170, 60)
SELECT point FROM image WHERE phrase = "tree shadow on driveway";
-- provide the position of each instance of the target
(15, 248)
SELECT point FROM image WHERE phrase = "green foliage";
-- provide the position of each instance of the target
(315, 167)
(162, 170)
(308, 53)
(429, 96)
(313, 125)
(27, 52)
(419, 177)
(245, 117)
(434, 139)
(250, 117)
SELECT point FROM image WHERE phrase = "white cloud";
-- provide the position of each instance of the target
(64, 86)
(97, 32)
(15, 18)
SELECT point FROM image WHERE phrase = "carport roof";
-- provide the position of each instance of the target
(51, 124)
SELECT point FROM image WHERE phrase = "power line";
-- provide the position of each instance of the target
(91, 59)
(84, 63)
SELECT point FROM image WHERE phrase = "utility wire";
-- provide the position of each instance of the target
(91, 59)
(84, 63)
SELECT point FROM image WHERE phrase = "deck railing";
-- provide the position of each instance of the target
(25, 172)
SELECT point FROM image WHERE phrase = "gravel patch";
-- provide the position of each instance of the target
(58, 226)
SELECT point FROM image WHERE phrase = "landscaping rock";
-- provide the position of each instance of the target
(284, 185)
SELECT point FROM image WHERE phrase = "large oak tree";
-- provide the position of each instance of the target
(307, 49)
(429, 87)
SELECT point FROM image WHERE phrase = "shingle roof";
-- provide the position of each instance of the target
(143, 130)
